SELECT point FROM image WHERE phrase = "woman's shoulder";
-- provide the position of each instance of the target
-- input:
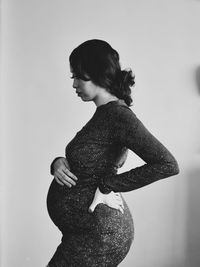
(122, 118)
(117, 112)
(120, 110)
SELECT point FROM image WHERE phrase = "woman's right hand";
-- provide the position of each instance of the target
(113, 200)
(62, 174)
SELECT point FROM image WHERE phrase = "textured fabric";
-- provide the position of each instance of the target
(128, 131)
(103, 238)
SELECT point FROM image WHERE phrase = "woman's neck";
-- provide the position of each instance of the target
(103, 98)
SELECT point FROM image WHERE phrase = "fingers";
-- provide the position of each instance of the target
(115, 201)
(121, 209)
(64, 177)
(119, 202)
(96, 200)
(70, 174)
(112, 200)
(66, 163)
(121, 206)
(93, 206)
(62, 174)
(118, 206)
(58, 181)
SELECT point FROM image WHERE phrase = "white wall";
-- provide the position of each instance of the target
(160, 40)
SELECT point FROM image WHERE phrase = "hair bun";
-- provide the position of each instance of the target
(127, 78)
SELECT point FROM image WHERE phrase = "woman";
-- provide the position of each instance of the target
(84, 199)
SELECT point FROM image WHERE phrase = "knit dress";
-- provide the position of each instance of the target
(103, 238)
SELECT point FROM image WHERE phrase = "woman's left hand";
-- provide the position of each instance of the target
(112, 200)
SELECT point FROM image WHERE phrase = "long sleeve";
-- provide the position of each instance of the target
(129, 131)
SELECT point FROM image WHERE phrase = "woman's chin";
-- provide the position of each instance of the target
(85, 99)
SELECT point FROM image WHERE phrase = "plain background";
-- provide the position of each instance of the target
(160, 41)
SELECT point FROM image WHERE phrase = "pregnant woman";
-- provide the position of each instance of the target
(84, 200)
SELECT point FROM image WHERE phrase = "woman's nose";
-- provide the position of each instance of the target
(75, 83)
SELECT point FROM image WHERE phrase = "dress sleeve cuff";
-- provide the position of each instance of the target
(104, 189)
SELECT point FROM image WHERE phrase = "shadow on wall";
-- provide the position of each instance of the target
(192, 254)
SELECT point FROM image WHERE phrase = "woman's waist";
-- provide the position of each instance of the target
(78, 197)
(87, 179)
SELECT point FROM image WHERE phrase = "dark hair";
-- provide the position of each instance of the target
(97, 61)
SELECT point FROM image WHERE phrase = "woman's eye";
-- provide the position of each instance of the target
(74, 77)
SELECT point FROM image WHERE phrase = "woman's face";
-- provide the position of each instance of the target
(87, 90)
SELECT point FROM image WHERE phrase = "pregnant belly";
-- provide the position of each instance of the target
(68, 209)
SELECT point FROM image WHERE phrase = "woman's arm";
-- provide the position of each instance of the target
(160, 163)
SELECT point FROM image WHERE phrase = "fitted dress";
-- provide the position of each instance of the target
(103, 238)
